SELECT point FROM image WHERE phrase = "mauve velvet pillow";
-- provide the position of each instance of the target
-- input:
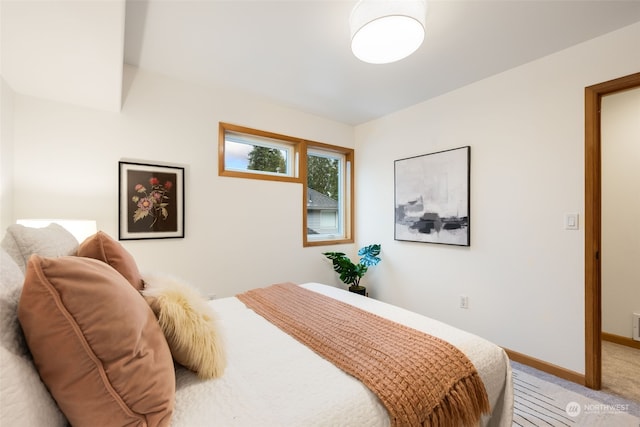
(96, 344)
(103, 247)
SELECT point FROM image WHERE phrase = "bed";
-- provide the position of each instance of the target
(271, 379)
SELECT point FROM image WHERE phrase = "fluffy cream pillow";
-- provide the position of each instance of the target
(188, 323)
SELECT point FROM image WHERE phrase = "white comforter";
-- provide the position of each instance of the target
(274, 381)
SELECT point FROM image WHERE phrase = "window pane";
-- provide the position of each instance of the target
(258, 156)
(324, 195)
(236, 155)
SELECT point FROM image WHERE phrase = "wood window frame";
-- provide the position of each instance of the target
(300, 148)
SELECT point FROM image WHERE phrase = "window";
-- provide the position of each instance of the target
(325, 194)
(248, 153)
(324, 170)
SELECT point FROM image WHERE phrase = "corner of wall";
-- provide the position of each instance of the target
(6, 155)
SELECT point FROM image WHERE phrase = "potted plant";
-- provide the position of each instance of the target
(351, 273)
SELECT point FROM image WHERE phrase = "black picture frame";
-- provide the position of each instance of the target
(431, 195)
(151, 201)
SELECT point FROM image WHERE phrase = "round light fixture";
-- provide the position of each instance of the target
(384, 31)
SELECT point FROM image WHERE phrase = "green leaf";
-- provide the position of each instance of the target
(334, 255)
(349, 272)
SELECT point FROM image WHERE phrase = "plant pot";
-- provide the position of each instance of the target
(358, 290)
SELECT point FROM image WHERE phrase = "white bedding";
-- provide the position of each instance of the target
(273, 380)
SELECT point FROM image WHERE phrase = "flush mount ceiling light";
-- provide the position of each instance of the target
(384, 31)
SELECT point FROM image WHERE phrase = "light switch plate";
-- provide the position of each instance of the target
(571, 221)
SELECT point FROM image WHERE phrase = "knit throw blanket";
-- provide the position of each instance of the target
(422, 380)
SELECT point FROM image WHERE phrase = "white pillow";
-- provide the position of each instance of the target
(188, 324)
(25, 399)
(51, 241)
(11, 280)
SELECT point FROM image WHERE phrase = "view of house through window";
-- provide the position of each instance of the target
(325, 174)
(324, 182)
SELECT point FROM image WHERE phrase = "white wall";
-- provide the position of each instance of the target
(6, 155)
(239, 233)
(523, 273)
(620, 211)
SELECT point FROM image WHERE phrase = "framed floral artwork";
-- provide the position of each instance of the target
(151, 201)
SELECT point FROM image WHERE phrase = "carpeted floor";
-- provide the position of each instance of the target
(621, 370)
(542, 399)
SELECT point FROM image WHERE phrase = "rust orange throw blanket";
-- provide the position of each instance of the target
(421, 380)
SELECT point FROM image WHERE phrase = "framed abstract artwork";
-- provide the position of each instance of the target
(432, 197)
(151, 201)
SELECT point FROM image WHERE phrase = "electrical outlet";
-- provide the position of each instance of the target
(464, 301)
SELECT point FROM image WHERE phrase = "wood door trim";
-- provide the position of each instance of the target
(592, 215)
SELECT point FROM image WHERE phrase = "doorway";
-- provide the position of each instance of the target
(592, 216)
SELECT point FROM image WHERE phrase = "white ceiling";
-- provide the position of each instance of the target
(68, 51)
(294, 52)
